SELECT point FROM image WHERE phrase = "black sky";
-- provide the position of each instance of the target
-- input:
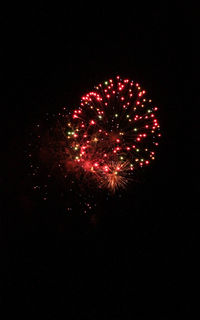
(139, 255)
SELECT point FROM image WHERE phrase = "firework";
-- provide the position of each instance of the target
(111, 134)
(99, 145)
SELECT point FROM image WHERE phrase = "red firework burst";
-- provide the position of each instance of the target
(111, 134)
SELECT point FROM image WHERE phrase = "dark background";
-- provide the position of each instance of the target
(139, 254)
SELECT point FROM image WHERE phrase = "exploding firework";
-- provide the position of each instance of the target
(112, 133)
(103, 142)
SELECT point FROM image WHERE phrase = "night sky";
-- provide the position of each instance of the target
(137, 254)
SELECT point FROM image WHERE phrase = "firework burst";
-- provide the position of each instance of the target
(112, 133)
(101, 144)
